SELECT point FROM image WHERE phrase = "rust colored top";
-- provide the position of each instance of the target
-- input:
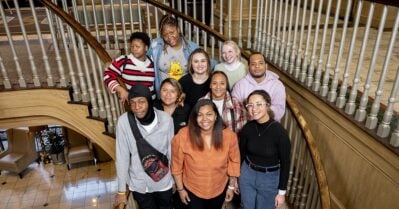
(205, 173)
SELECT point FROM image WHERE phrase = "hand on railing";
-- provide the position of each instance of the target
(122, 94)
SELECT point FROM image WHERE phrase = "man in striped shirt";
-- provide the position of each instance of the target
(134, 68)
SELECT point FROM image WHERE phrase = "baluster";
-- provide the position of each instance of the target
(309, 78)
(45, 57)
(229, 20)
(302, 159)
(326, 77)
(289, 44)
(249, 24)
(156, 23)
(299, 52)
(255, 40)
(384, 128)
(114, 108)
(332, 94)
(316, 82)
(204, 34)
(212, 25)
(103, 98)
(272, 44)
(350, 105)
(76, 90)
(283, 41)
(179, 8)
(308, 40)
(316, 196)
(372, 119)
(239, 24)
(304, 195)
(264, 31)
(312, 186)
(60, 65)
(273, 11)
(294, 44)
(6, 80)
(278, 40)
(269, 30)
(132, 17)
(35, 78)
(115, 32)
(196, 29)
(221, 27)
(360, 114)
(141, 19)
(295, 137)
(260, 31)
(189, 25)
(344, 86)
(394, 141)
(295, 179)
(147, 7)
(92, 97)
(124, 34)
(82, 82)
(107, 45)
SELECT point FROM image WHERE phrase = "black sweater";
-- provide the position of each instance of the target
(192, 90)
(267, 145)
(180, 115)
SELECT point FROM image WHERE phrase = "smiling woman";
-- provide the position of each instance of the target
(202, 184)
(196, 83)
(232, 111)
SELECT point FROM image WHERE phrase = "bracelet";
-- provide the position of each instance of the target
(231, 187)
(122, 193)
(179, 190)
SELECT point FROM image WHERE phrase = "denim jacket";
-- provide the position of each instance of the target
(154, 52)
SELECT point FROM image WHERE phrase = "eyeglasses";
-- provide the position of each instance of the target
(257, 105)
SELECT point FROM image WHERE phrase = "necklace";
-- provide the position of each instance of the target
(264, 130)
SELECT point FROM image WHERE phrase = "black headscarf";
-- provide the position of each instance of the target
(140, 90)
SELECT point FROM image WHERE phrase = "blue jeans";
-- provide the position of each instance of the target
(258, 189)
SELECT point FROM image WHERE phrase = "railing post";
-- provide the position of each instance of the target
(21, 79)
(350, 105)
(324, 86)
(360, 114)
(302, 75)
(332, 94)
(309, 77)
(344, 85)
(316, 82)
(372, 119)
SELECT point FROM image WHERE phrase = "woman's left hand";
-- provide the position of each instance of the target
(229, 195)
(279, 200)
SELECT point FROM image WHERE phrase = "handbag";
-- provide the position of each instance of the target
(154, 163)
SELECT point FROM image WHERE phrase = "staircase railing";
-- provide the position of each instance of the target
(77, 46)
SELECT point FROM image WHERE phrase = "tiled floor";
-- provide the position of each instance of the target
(54, 187)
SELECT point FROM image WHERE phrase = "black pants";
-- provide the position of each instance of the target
(154, 200)
(200, 203)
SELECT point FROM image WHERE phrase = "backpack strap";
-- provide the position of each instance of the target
(133, 125)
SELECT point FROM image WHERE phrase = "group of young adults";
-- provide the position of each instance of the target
(202, 143)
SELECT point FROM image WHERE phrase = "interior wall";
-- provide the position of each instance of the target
(361, 172)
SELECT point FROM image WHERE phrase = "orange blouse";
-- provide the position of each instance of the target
(205, 173)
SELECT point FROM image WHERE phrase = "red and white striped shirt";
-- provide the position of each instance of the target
(131, 71)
